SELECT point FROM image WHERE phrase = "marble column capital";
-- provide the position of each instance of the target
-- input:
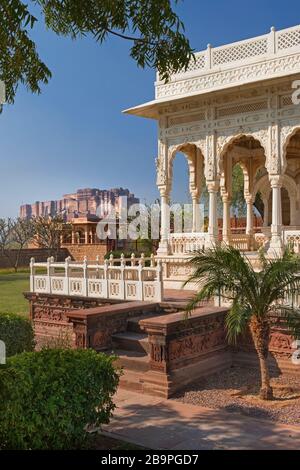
(213, 186)
(276, 181)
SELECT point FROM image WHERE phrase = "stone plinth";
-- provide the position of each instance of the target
(183, 349)
(95, 327)
(48, 312)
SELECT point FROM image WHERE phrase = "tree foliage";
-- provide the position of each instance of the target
(48, 398)
(22, 233)
(17, 334)
(48, 232)
(19, 60)
(238, 198)
(6, 226)
(15, 234)
(152, 27)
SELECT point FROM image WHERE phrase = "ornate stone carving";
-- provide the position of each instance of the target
(161, 165)
(288, 129)
(242, 74)
(80, 336)
(281, 342)
(228, 136)
(196, 344)
(158, 353)
(161, 173)
(210, 161)
(273, 163)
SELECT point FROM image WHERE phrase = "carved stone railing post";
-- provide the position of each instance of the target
(272, 41)
(105, 275)
(122, 278)
(152, 261)
(159, 282)
(49, 273)
(140, 278)
(67, 275)
(85, 278)
(32, 274)
(208, 56)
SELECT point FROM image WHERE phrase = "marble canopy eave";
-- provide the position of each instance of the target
(152, 109)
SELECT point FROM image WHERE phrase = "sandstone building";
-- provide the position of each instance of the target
(82, 203)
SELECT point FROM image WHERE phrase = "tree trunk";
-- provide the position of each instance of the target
(260, 331)
(16, 266)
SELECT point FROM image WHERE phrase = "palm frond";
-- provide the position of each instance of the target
(290, 318)
(225, 268)
(237, 320)
(279, 278)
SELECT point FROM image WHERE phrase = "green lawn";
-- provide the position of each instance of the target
(12, 286)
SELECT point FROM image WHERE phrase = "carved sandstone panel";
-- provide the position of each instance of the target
(196, 345)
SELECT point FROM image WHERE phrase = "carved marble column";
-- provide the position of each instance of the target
(213, 235)
(86, 236)
(249, 223)
(196, 213)
(226, 219)
(276, 228)
(293, 209)
(266, 212)
(165, 223)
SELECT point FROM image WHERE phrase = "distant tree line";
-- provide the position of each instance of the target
(42, 232)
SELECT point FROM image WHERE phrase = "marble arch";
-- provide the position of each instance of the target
(288, 183)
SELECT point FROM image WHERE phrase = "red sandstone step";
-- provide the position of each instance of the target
(144, 383)
(132, 381)
(133, 324)
(132, 360)
(131, 342)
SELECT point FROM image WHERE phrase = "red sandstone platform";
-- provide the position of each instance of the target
(159, 424)
(161, 348)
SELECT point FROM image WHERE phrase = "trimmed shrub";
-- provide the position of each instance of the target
(17, 334)
(49, 398)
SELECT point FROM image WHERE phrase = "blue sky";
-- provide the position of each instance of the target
(74, 135)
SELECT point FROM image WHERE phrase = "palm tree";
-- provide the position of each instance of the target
(254, 296)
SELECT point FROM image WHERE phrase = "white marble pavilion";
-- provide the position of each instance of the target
(233, 105)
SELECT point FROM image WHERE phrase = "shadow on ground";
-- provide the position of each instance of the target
(170, 425)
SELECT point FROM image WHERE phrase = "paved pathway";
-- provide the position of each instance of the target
(166, 424)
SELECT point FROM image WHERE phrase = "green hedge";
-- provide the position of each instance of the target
(49, 397)
(17, 334)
